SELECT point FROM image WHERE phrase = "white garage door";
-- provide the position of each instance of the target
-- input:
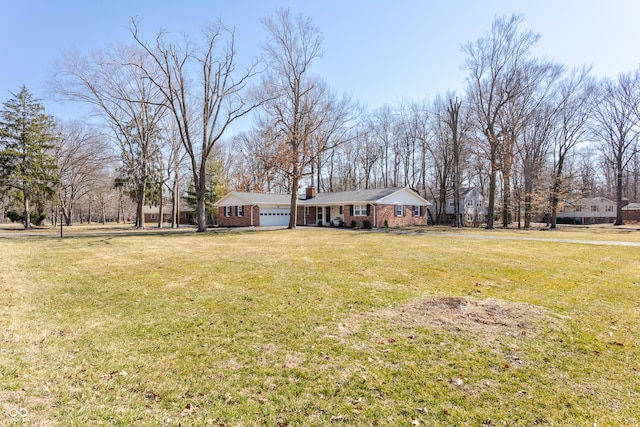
(274, 217)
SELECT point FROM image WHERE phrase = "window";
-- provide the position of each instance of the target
(578, 208)
(469, 203)
(399, 210)
(416, 210)
(469, 218)
(450, 202)
(319, 213)
(240, 210)
(609, 208)
(227, 211)
(594, 208)
(341, 209)
(359, 210)
(479, 203)
(306, 211)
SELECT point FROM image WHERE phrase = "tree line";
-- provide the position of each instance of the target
(526, 131)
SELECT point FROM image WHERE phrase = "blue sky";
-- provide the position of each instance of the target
(377, 52)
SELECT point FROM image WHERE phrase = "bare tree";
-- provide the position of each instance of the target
(575, 95)
(616, 125)
(494, 63)
(383, 124)
(442, 156)
(457, 120)
(202, 111)
(114, 85)
(307, 117)
(82, 155)
(527, 123)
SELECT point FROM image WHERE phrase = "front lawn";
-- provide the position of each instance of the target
(319, 327)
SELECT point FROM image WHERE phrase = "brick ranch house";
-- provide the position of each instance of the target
(386, 207)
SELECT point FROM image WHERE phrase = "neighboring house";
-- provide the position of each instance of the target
(187, 216)
(151, 214)
(594, 210)
(472, 206)
(631, 212)
(388, 207)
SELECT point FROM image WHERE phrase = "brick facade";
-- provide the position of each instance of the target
(388, 213)
(310, 219)
(381, 213)
(631, 212)
(349, 219)
(234, 220)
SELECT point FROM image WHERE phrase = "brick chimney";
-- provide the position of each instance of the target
(311, 192)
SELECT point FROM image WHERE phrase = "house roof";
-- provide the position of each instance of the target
(246, 198)
(374, 196)
(465, 192)
(591, 201)
(389, 195)
(632, 207)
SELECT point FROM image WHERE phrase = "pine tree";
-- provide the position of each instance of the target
(27, 139)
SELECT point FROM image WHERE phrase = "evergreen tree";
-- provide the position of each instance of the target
(215, 188)
(27, 139)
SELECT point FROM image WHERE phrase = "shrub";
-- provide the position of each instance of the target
(386, 223)
(15, 217)
(366, 224)
(34, 218)
(353, 223)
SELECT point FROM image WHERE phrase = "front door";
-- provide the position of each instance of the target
(327, 214)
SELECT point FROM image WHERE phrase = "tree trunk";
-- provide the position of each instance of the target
(294, 200)
(201, 213)
(175, 215)
(27, 219)
(200, 182)
(619, 194)
(555, 193)
(506, 200)
(139, 205)
(492, 190)
(161, 205)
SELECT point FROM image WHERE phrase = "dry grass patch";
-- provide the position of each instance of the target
(489, 316)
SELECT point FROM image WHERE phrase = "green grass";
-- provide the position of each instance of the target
(317, 327)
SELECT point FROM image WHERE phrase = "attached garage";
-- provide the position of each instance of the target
(270, 217)
(239, 209)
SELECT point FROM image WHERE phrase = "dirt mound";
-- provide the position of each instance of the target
(471, 314)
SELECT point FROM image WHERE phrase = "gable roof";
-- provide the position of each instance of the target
(388, 195)
(245, 198)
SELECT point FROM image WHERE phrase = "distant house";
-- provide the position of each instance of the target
(594, 210)
(387, 207)
(472, 206)
(152, 213)
(631, 212)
